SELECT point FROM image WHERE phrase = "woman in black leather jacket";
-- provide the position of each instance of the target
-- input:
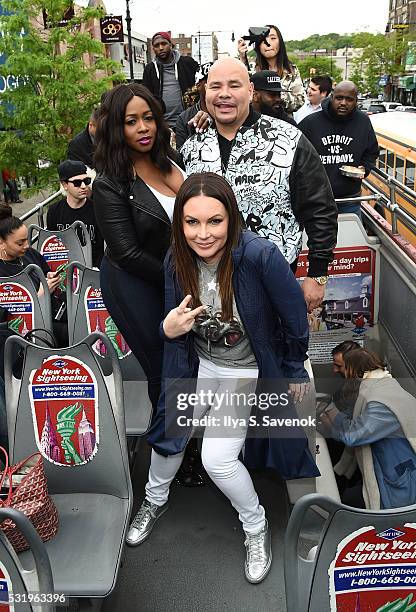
(134, 194)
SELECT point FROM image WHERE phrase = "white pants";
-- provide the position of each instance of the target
(219, 455)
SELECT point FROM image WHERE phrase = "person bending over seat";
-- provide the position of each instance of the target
(379, 436)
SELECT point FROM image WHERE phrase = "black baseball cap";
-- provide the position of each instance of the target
(266, 80)
(70, 168)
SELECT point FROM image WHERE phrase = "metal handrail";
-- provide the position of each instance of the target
(390, 180)
(38, 209)
(398, 213)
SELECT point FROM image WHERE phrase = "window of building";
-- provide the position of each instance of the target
(410, 174)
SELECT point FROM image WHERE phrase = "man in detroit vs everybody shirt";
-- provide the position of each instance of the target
(343, 136)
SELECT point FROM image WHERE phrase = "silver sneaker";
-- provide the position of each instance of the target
(143, 522)
(259, 555)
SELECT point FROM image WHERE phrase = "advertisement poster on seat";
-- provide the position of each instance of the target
(99, 319)
(64, 400)
(18, 302)
(56, 255)
(374, 570)
(5, 589)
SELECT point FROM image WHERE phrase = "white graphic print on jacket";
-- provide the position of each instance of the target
(258, 171)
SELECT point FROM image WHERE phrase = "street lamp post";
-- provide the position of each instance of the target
(346, 62)
(128, 21)
(199, 46)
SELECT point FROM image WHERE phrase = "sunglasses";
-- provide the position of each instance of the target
(78, 182)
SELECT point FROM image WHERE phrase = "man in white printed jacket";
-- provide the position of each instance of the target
(278, 178)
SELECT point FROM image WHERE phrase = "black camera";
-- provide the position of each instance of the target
(257, 36)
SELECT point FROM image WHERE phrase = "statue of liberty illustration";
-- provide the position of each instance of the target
(111, 331)
(14, 324)
(65, 426)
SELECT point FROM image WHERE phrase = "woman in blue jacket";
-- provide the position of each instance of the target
(240, 328)
(379, 436)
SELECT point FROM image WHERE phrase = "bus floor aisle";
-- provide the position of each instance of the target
(194, 559)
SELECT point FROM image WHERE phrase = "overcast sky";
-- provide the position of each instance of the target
(296, 19)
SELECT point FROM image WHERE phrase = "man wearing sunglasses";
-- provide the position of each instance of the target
(76, 206)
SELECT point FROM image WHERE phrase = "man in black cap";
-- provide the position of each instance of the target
(169, 75)
(76, 206)
(267, 95)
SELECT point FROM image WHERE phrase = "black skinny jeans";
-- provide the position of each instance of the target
(136, 307)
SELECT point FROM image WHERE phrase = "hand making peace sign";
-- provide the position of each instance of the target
(180, 320)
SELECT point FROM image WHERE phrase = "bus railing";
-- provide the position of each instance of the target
(38, 210)
(398, 213)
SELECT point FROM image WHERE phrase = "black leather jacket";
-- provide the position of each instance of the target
(134, 225)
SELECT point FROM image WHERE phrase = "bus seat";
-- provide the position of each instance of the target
(326, 483)
(69, 408)
(27, 309)
(307, 581)
(86, 314)
(55, 254)
(302, 486)
(13, 577)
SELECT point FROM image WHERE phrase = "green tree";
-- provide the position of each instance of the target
(381, 55)
(320, 41)
(57, 89)
(321, 65)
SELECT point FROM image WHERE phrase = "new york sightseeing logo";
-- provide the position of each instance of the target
(375, 570)
(64, 400)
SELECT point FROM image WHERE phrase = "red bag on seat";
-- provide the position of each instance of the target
(28, 492)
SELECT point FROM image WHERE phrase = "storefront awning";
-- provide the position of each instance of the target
(407, 82)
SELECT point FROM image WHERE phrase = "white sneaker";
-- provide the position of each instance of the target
(143, 522)
(259, 555)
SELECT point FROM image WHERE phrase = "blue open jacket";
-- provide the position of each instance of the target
(273, 310)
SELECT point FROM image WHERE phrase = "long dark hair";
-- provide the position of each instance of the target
(358, 361)
(185, 260)
(112, 155)
(8, 222)
(283, 62)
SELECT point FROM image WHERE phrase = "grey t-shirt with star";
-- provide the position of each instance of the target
(225, 343)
